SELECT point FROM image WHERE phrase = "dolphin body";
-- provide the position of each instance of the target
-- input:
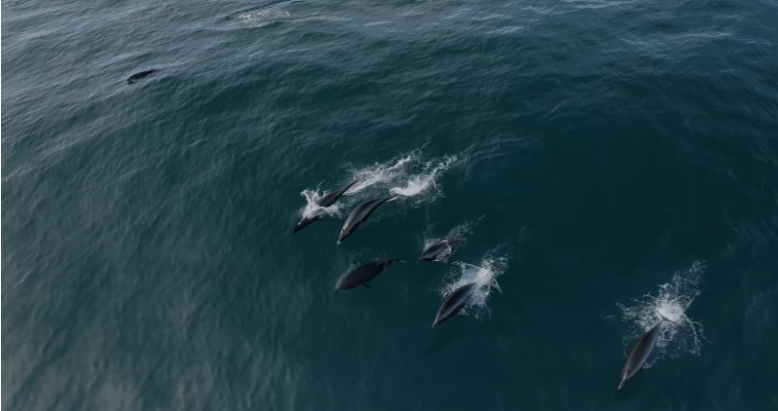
(363, 274)
(139, 75)
(359, 215)
(326, 201)
(440, 250)
(454, 303)
(640, 352)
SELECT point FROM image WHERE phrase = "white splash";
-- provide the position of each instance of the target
(484, 276)
(681, 334)
(425, 180)
(379, 179)
(381, 173)
(312, 208)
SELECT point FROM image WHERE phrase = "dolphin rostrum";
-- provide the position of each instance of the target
(324, 202)
(359, 215)
(440, 250)
(454, 303)
(640, 352)
(139, 75)
(363, 274)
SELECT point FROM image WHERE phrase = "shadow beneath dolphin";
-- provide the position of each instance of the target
(461, 328)
(629, 391)
(445, 334)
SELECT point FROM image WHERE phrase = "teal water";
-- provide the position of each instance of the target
(610, 160)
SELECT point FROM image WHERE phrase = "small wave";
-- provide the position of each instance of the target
(484, 275)
(261, 18)
(682, 335)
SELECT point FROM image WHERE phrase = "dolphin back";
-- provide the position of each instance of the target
(332, 197)
(359, 215)
(640, 353)
(454, 303)
(439, 250)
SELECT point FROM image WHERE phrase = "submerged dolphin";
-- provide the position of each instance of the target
(440, 250)
(359, 215)
(363, 274)
(454, 303)
(640, 352)
(139, 75)
(326, 201)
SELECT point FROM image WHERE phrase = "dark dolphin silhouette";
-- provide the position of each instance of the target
(454, 303)
(363, 274)
(139, 75)
(440, 250)
(640, 352)
(326, 201)
(359, 215)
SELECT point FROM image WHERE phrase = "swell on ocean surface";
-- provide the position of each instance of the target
(147, 257)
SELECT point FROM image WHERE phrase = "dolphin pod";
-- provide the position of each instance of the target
(324, 202)
(363, 274)
(359, 215)
(440, 250)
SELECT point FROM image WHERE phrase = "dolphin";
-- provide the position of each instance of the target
(440, 250)
(325, 201)
(454, 303)
(139, 75)
(359, 215)
(363, 274)
(640, 352)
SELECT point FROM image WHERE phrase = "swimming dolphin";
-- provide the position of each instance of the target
(440, 250)
(454, 303)
(139, 75)
(640, 352)
(326, 201)
(359, 215)
(363, 274)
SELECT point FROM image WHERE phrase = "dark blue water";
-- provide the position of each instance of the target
(610, 161)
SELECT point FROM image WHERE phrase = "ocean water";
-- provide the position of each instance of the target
(607, 162)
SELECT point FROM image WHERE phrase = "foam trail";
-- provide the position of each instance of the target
(485, 278)
(680, 335)
(380, 173)
(426, 179)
